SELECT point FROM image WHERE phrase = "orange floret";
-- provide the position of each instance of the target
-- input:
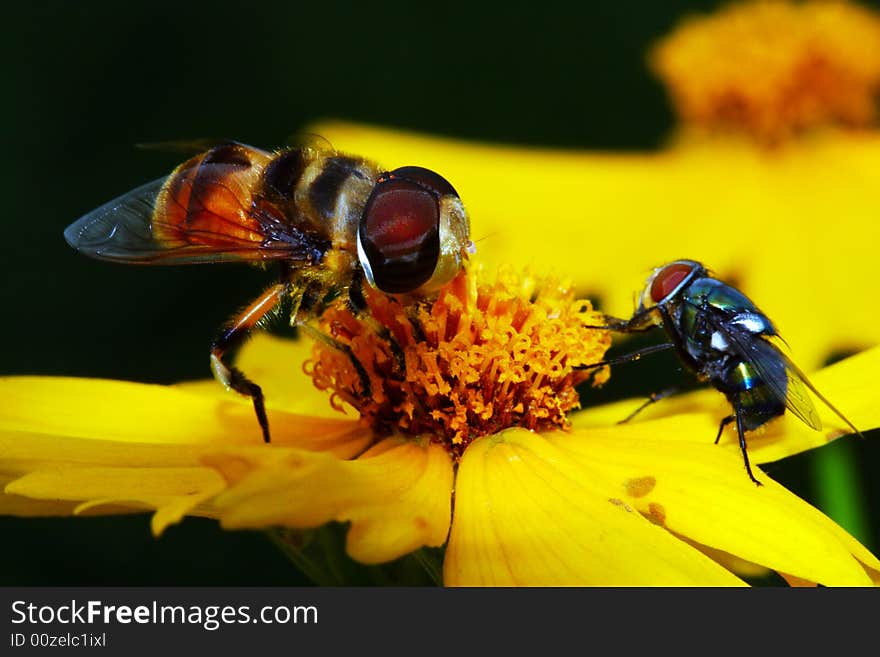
(482, 357)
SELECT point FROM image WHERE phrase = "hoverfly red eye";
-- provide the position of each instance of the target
(668, 279)
(426, 178)
(399, 233)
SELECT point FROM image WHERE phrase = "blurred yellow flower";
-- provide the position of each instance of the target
(774, 68)
(651, 502)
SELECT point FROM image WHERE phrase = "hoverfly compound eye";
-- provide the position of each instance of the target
(430, 180)
(399, 232)
(668, 279)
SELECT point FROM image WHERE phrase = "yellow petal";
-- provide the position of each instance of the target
(15, 505)
(83, 445)
(23, 452)
(276, 364)
(720, 202)
(733, 563)
(397, 496)
(694, 417)
(54, 475)
(173, 491)
(702, 492)
(137, 412)
(526, 514)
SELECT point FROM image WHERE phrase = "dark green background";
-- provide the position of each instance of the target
(84, 81)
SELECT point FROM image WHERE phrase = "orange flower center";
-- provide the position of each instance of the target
(482, 357)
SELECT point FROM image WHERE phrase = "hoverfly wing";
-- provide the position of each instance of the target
(310, 140)
(787, 383)
(120, 229)
(186, 147)
(206, 211)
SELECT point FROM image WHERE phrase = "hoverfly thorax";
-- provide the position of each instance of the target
(413, 233)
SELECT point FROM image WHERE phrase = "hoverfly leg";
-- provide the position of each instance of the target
(418, 331)
(232, 336)
(357, 304)
(361, 370)
(653, 398)
(384, 333)
(333, 343)
(243, 385)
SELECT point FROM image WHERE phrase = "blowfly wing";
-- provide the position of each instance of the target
(207, 211)
(794, 372)
(797, 399)
(787, 383)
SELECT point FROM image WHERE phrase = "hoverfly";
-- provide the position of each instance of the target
(330, 220)
(722, 337)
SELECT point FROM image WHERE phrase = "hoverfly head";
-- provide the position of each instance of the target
(414, 234)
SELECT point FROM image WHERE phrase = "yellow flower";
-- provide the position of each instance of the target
(649, 502)
(451, 440)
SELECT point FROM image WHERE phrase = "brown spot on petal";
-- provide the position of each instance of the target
(421, 523)
(834, 434)
(617, 502)
(656, 513)
(231, 468)
(640, 486)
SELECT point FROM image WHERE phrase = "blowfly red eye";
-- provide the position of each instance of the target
(400, 234)
(668, 279)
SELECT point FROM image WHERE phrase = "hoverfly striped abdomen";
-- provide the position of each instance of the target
(283, 173)
(208, 200)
